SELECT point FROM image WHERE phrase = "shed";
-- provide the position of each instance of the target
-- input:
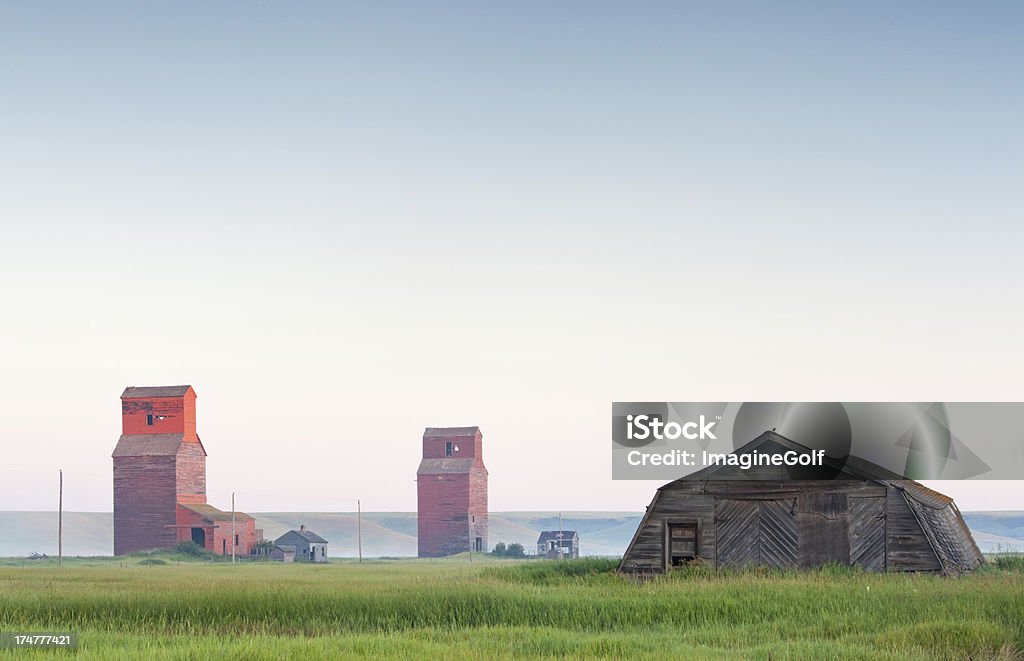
(309, 546)
(861, 515)
(558, 544)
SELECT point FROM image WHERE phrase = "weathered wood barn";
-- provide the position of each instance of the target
(861, 515)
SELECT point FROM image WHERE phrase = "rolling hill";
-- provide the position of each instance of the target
(394, 533)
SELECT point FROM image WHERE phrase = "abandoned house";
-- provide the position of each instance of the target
(308, 546)
(862, 515)
(558, 544)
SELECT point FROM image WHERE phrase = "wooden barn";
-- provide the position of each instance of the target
(861, 515)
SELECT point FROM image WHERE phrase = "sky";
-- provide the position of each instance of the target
(345, 222)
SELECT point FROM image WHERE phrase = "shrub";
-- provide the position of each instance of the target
(513, 550)
(190, 548)
(1013, 563)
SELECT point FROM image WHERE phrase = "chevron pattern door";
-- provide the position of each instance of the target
(756, 533)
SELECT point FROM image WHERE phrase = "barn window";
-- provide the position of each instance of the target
(448, 448)
(236, 540)
(149, 419)
(682, 542)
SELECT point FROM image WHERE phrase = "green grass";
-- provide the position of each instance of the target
(526, 609)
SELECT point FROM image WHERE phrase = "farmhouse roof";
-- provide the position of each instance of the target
(307, 535)
(445, 432)
(555, 535)
(137, 392)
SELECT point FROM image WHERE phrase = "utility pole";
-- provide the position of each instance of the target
(232, 527)
(560, 547)
(60, 520)
(359, 528)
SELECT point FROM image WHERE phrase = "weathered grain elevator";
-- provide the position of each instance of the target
(160, 479)
(858, 513)
(451, 486)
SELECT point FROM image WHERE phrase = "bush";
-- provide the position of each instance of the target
(152, 561)
(193, 550)
(1014, 563)
(189, 548)
(513, 550)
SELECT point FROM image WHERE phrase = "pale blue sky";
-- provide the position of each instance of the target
(345, 222)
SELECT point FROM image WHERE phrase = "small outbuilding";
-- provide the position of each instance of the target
(273, 552)
(558, 544)
(282, 553)
(857, 514)
(308, 546)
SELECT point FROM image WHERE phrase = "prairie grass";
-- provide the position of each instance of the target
(525, 609)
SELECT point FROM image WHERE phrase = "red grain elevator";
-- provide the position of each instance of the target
(160, 478)
(451, 486)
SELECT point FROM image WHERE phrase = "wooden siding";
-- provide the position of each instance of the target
(944, 529)
(824, 528)
(144, 503)
(788, 524)
(778, 535)
(907, 547)
(178, 415)
(867, 533)
(756, 532)
(190, 473)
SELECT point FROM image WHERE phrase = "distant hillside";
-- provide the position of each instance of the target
(394, 533)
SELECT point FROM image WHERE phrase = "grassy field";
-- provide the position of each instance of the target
(485, 609)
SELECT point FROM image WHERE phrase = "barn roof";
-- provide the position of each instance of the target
(137, 392)
(555, 535)
(211, 513)
(445, 432)
(446, 466)
(150, 445)
(940, 520)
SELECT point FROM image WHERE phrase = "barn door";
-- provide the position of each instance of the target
(756, 533)
(867, 533)
(824, 528)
